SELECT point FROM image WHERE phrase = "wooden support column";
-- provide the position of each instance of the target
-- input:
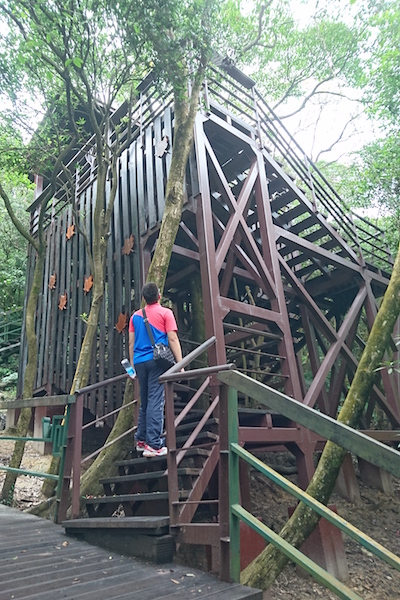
(322, 400)
(209, 278)
(375, 477)
(347, 484)
(214, 326)
(325, 547)
(289, 366)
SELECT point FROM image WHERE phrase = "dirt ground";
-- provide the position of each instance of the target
(27, 489)
(378, 515)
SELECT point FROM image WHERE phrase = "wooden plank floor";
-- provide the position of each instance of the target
(39, 562)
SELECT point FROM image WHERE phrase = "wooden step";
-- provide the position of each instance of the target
(191, 452)
(189, 426)
(179, 406)
(145, 537)
(143, 497)
(292, 214)
(150, 525)
(307, 223)
(147, 476)
(202, 438)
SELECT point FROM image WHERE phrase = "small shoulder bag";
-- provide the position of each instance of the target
(162, 354)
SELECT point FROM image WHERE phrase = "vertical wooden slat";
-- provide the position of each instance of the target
(81, 272)
(44, 300)
(50, 302)
(134, 220)
(91, 197)
(117, 281)
(101, 394)
(140, 189)
(74, 294)
(151, 201)
(54, 303)
(159, 175)
(111, 305)
(102, 350)
(62, 288)
(126, 232)
(67, 311)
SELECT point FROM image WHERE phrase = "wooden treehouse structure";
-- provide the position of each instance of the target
(290, 284)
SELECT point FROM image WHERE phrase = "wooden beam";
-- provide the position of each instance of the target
(311, 250)
(61, 400)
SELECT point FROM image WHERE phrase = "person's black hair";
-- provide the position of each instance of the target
(150, 292)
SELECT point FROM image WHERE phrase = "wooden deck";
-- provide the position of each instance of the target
(38, 561)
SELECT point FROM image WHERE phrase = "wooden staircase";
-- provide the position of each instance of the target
(132, 516)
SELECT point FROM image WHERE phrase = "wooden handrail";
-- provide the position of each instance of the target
(62, 400)
(238, 513)
(186, 360)
(364, 446)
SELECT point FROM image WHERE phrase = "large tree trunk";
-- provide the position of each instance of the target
(185, 110)
(266, 567)
(29, 377)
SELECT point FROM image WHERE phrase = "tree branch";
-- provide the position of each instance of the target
(16, 222)
(339, 138)
(256, 40)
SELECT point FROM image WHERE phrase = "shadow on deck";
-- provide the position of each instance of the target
(38, 561)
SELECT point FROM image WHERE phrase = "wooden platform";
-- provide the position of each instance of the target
(38, 561)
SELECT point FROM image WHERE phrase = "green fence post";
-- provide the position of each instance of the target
(234, 523)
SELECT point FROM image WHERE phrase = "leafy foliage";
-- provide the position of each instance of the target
(383, 92)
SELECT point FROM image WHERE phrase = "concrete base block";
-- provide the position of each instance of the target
(157, 549)
(325, 547)
(375, 477)
(347, 484)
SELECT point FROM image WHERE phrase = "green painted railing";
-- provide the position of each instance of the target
(290, 408)
(54, 431)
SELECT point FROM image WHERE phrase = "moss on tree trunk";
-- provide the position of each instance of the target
(104, 465)
(185, 113)
(263, 571)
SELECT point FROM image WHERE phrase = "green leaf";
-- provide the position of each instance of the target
(78, 62)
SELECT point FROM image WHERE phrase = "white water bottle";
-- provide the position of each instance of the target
(128, 368)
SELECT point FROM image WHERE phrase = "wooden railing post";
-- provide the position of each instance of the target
(223, 492)
(234, 495)
(173, 490)
(77, 451)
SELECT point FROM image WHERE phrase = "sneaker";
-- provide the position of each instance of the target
(150, 452)
(140, 446)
